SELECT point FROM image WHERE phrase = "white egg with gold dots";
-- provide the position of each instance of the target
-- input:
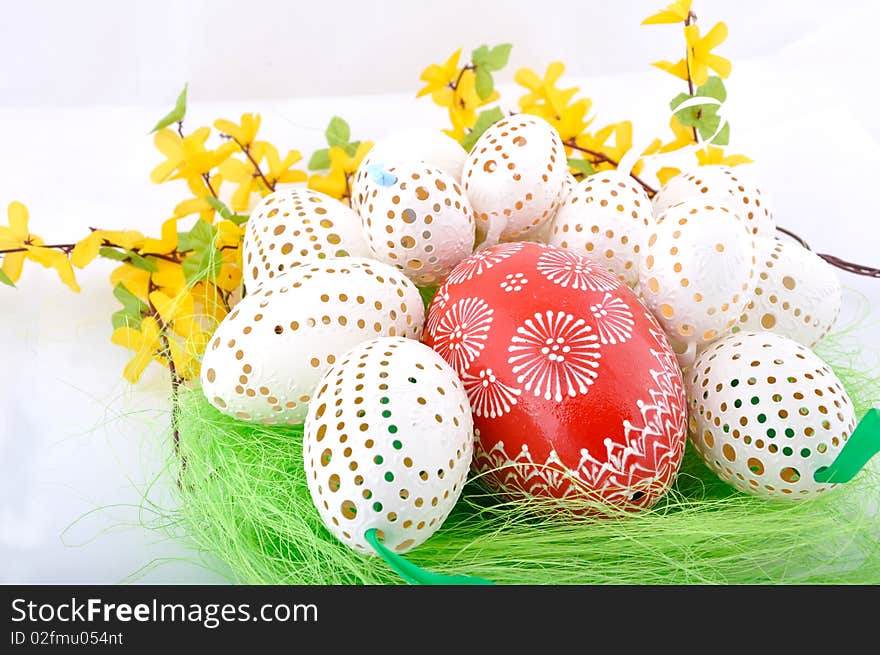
(797, 294)
(717, 184)
(514, 177)
(387, 444)
(766, 413)
(417, 219)
(605, 218)
(697, 273)
(295, 225)
(267, 355)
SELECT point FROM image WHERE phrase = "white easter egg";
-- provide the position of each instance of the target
(606, 218)
(409, 146)
(721, 184)
(267, 355)
(294, 225)
(388, 443)
(766, 413)
(797, 293)
(418, 219)
(514, 177)
(697, 273)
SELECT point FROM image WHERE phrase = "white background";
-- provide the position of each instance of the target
(81, 83)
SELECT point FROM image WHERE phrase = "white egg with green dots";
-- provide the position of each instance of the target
(387, 444)
(766, 414)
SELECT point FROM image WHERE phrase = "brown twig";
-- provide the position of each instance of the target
(246, 149)
(602, 157)
(690, 20)
(834, 260)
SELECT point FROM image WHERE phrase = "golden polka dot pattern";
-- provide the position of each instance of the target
(267, 355)
(766, 413)
(421, 223)
(697, 273)
(294, 225)
(797, 294)
(514, 177)
(721, 185)
(388, 443)
(605, 218)
(409, 146)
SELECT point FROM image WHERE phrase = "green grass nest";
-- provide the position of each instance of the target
(245, 501)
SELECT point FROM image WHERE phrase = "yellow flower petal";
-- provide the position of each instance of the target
(13, 262)
(85, 251)
(56, 259)
(18, 220)
(679, 68)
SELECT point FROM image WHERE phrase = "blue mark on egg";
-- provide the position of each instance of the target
(380, 175)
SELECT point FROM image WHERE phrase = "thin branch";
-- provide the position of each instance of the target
(602, 157)
(691, 20)
(246, 149)
(834, 260)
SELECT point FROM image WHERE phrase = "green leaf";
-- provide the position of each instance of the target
(140, 262)
(581, 165)
(485, 120)
(479, 55)
(225, 212)
(129, 257)
(708, 125)
(5, 279)
(202, 265)
(133, 308)
(713, 88)
(338, 132)
(175, 115)
(723, 137)
(199, 237)
(351, 148)
(497, 57)
(677, 100)
(320, 160)
(112, 253)
(204, 260)
(484, 83)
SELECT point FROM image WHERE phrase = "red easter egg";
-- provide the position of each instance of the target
(573, 386)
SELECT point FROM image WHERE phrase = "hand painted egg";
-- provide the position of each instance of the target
(388, 443)
(418, 220)
(268, 354)
(292, 226)
(697, 273)
(605, 218)
(766, 413)
(797, 294)
(574, 388)
(721, 184)
(514, 176)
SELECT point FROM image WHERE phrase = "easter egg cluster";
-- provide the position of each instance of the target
(580, 332)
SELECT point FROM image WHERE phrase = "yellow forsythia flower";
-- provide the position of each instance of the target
(187, 157)
(14, 236)
(280, 170)
(438, 78)
(700, 56)
(244, 133)
(335, 182)
(244, 174)
(677, 12)
(17, 235)
(144, 341)
(714, 155)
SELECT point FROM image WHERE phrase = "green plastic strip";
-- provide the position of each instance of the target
(862, 445)
(415, 574)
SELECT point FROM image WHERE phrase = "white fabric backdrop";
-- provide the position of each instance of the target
(78, 447)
